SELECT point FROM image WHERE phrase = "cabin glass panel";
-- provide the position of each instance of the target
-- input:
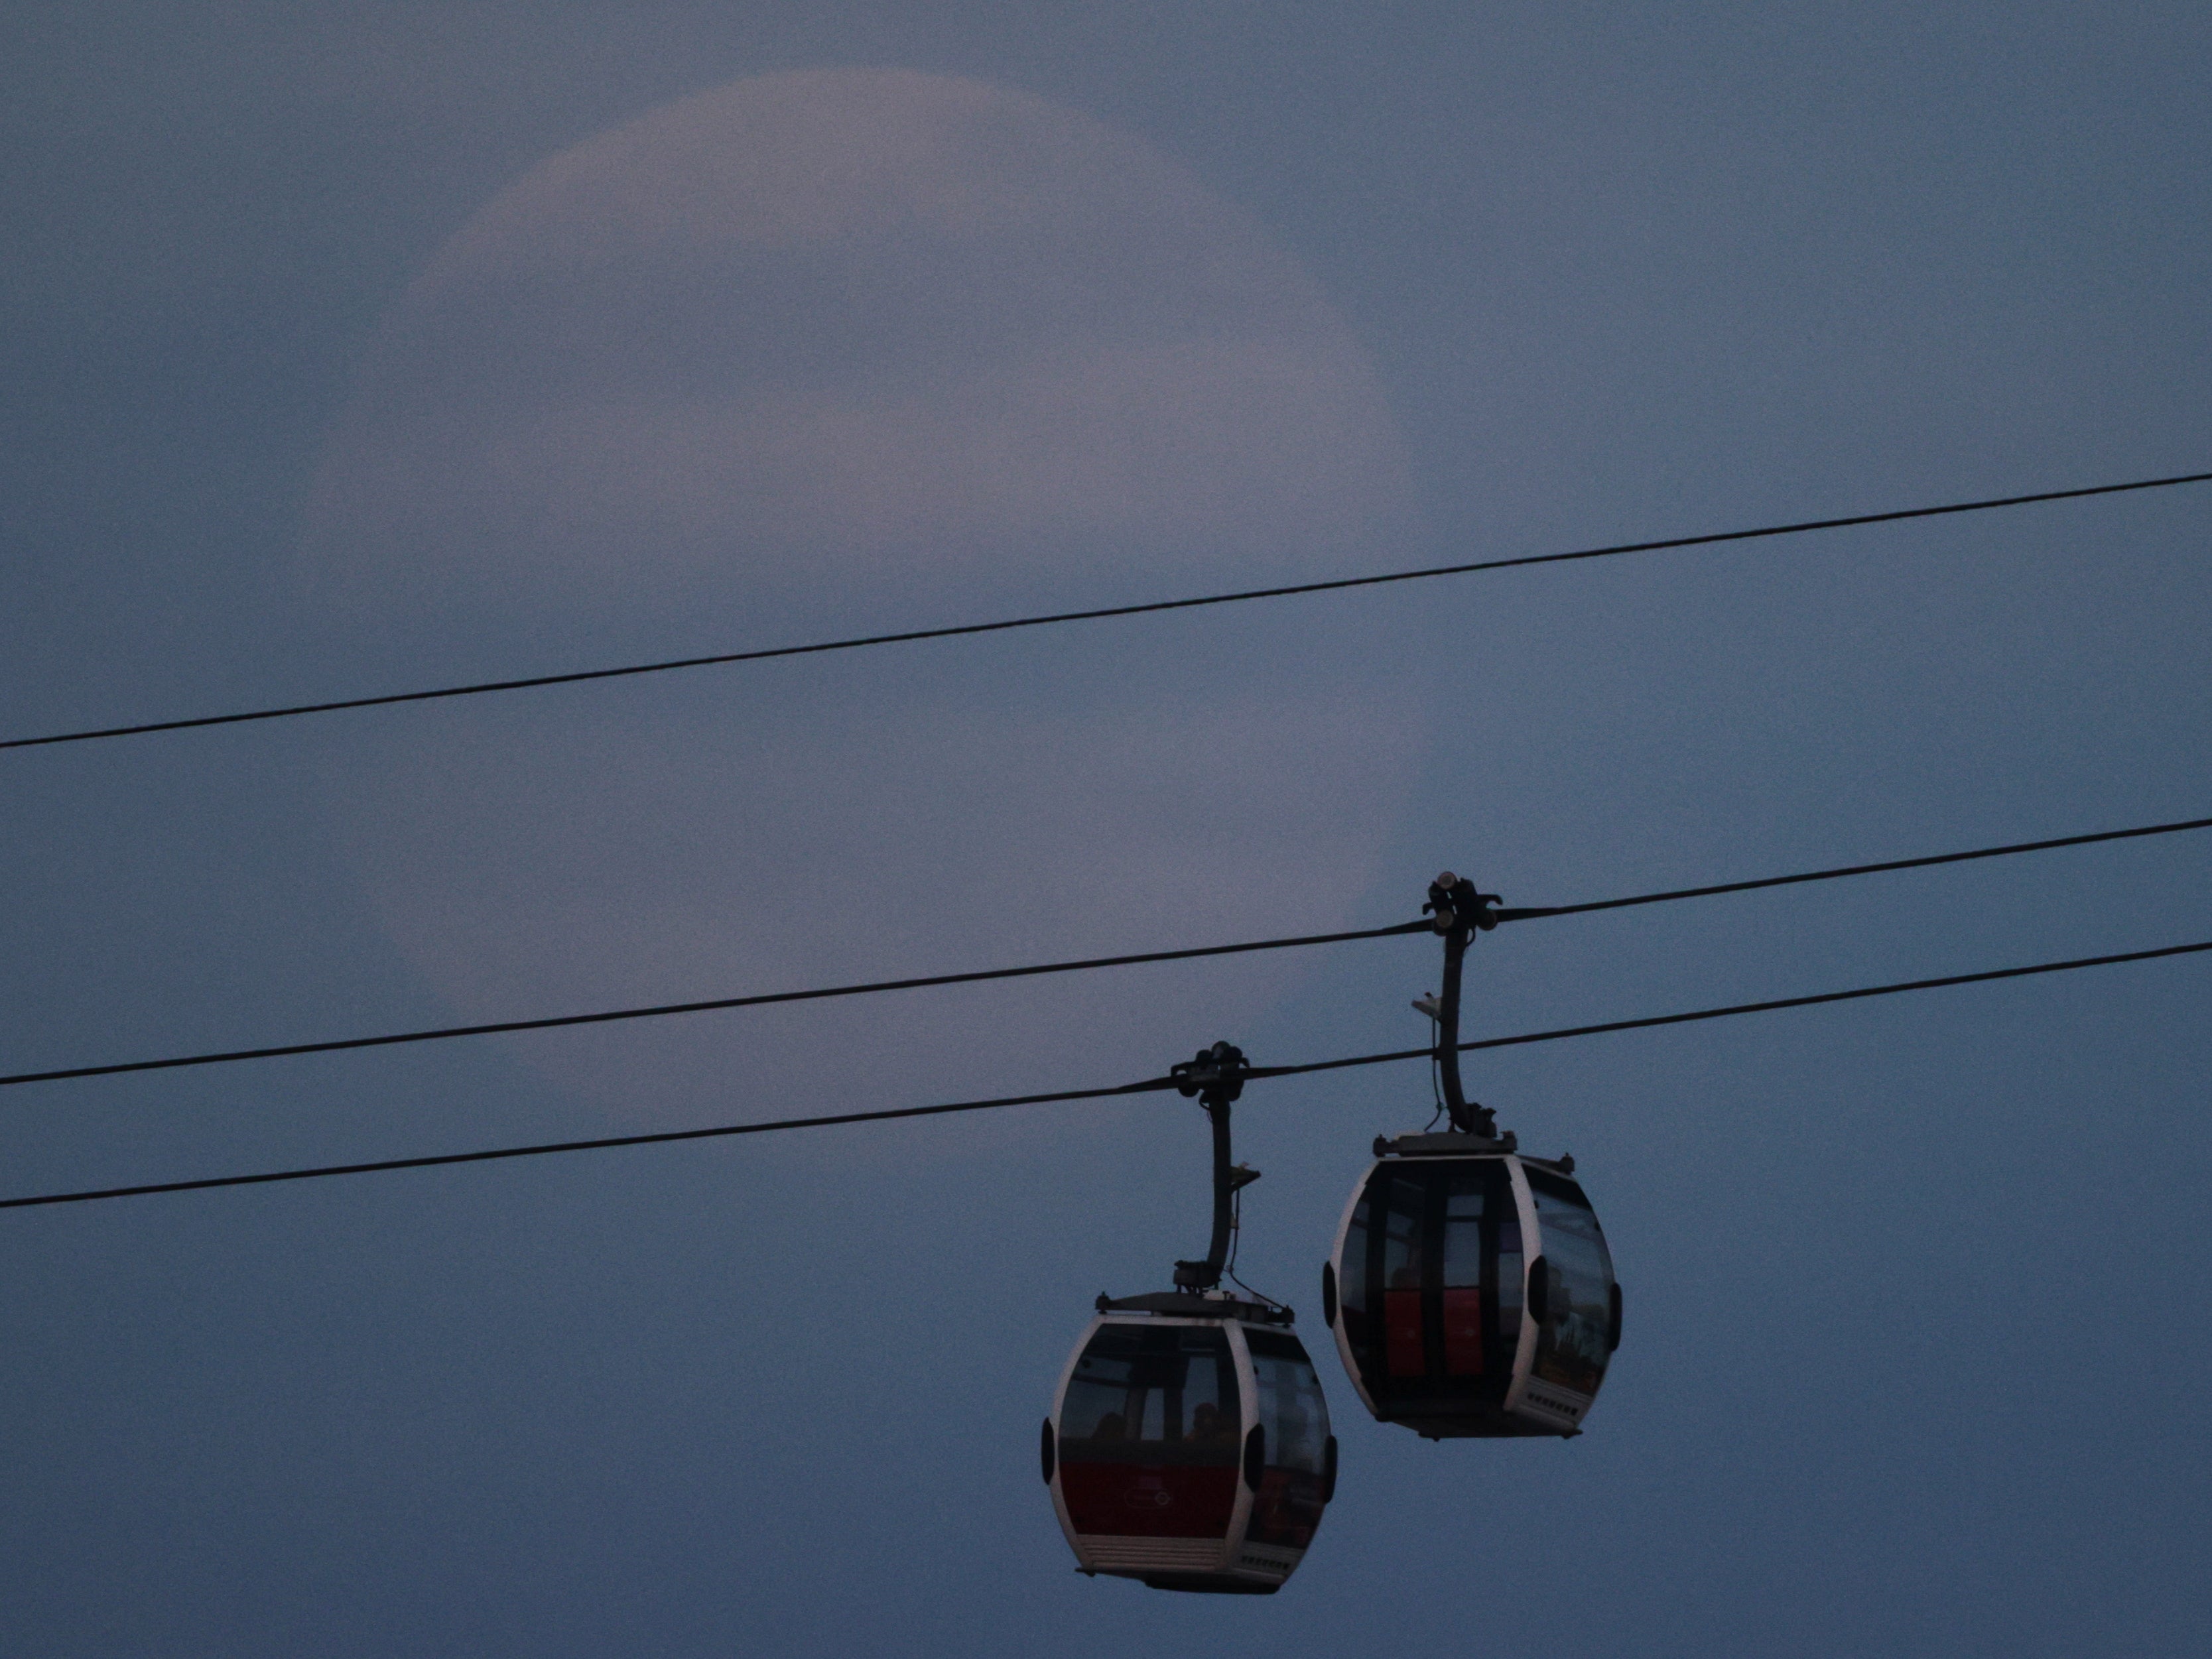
(1351, 1280)
(1571, 1349)
(1294, 1417)
(1449, 1295)
(1461, 1298)
(1403, 1206)
(1512, 1276)
(1153, 1392)
(1152, 1432)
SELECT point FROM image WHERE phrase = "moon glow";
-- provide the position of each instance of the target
(832, 351)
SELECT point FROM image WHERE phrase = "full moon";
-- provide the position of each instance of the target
(847, 351)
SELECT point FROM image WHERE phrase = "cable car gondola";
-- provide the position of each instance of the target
(1189, 1444)
(1470, 1287)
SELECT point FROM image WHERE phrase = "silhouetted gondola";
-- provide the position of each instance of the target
(1189, 1445)
(1470, 1288)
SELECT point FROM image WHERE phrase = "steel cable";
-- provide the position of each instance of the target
(439, 1034)
(1146, 1086)
(912, 635)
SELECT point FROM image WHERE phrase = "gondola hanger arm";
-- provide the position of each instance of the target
(1215, 1077)
(1458, 911)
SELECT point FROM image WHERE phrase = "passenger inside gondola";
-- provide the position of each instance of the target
(1208, 1427)
(1151, 1433)
(1153, 1392)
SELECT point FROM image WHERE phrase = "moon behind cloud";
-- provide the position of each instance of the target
(845, 350)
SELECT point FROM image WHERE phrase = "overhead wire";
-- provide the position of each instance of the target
(912, 635)
(551, 1022)
(1528, 913)
(1146, 1086)
(333, 1046)
(1772, 1006)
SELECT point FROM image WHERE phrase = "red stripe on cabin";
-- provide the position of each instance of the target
(1402, 1319)
(1149, 1500)
(1462, 1333)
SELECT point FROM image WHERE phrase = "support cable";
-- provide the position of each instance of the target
(912, 635)
(1147, 1086)
(439, 1034)
(1536, 913)
(1651, 1022)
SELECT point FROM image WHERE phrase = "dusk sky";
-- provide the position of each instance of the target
(359, 349)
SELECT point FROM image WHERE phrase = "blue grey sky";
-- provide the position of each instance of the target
(350, 349)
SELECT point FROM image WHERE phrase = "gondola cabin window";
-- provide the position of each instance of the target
(1151, 1433)
(1352, 1283)
(1402, 1250)
(1294, 1418)
(1460, 1303)
(1571, 1350)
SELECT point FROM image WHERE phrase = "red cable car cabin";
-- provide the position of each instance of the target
(1190, 1448)
(1471, 1290)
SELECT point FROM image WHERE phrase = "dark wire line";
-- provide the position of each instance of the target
(601, 1144)
(1530, 913)
(606, 1016)
(909, 636)
(552, 1021)
(1149, 1085)
(1651, 1021)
